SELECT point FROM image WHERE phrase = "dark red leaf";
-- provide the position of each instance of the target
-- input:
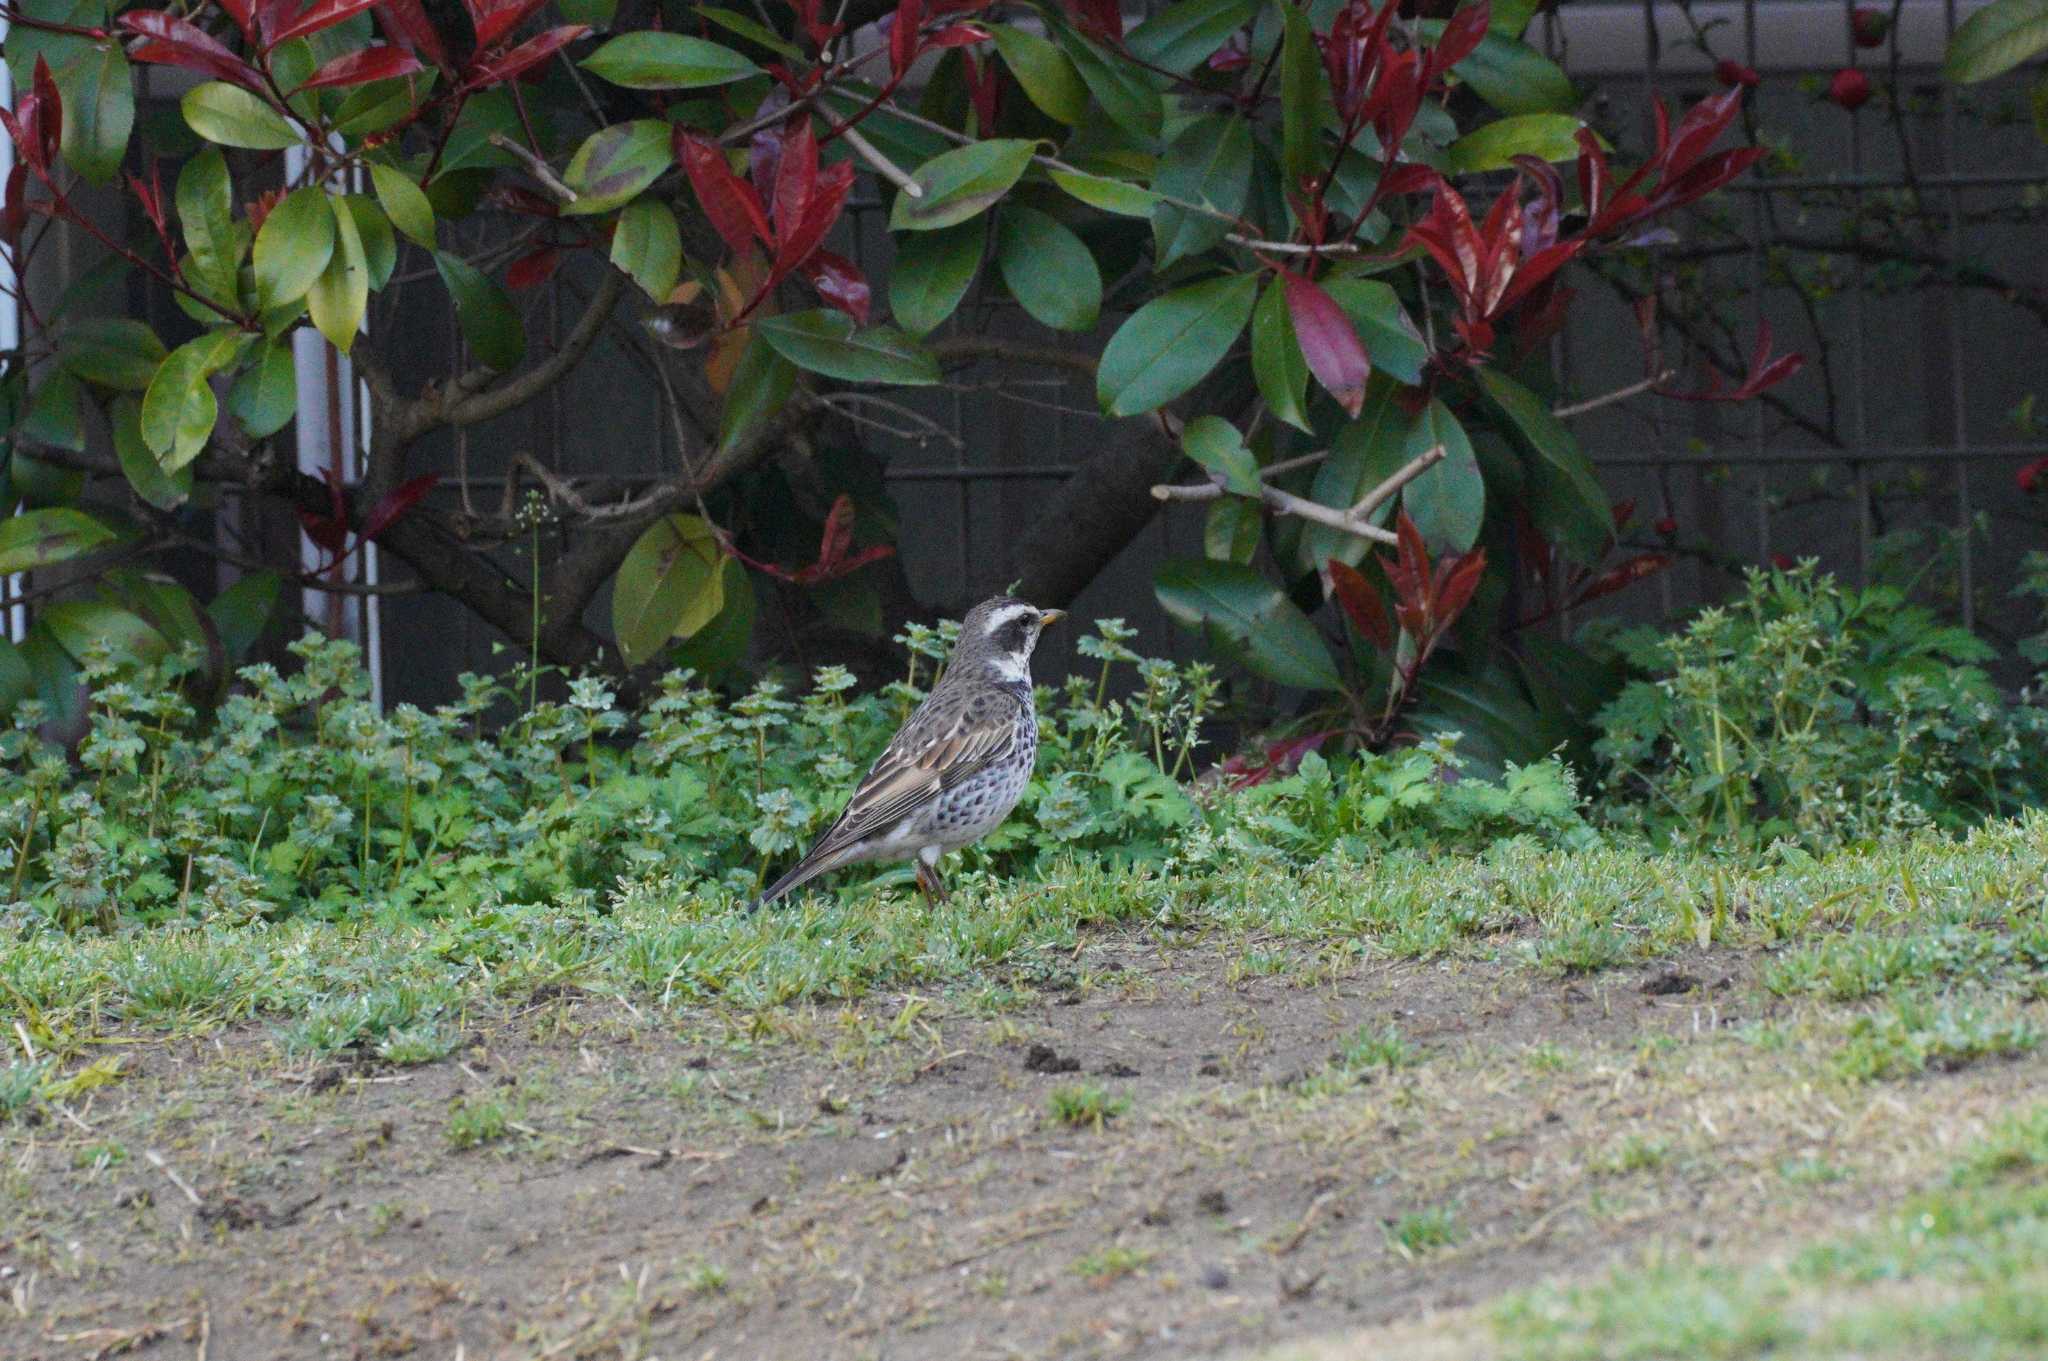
(496, 19)
(382, 62)
(729, 201)
(49, 123)
(1460, 38)
(1870, 27)
(1409, 177)
(985, 91)
(956, 35)
(820, 32)
(839, 282)
(1666, 526)
(834, 561)
(405, 22)
(396, 503)
(151, 197)
(1627, 574)
(1699, 129)
(14, 216)
(531, 271)
(1234, 55)
(1278, 758)
(796, 176)
(329, 530)
(1734, 73)
(2031, 478)
(821, 210)
(1850, 88)
(511, 198)
(1783, 562)
(1360, 602)
(903, 35)
(1328, 342)
(179, 42)
(259, 208)
(1102, 19)
(243, 12)
(314, 18)
(522, 58)
(1459, 582)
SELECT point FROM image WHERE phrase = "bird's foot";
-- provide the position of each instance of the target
(929, 883)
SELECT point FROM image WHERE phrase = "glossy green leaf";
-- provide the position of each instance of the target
(1178, 37)
(760, 388)
(826, 342)
(1217, 446)
(1122, 91)
(961, 183)
(17, 682)
(83, 627)
(1997, 38)
(115, 352)
(720, 647)
(40, 538)
(648, 60)
(1302, 98)
(1391, 340)
(648, 246)
(615, 164)
(56, 411)
(1277, 363)
(1564, 493)
(231, 116)
(1231, 529)
(1171, 343)
(1109, 195)
(266, 394)
(98, 92)
(294, 246)
(485, 315)
(1047, 269)
(932, 273)
(1515, 78)
(179, 409)
(381, 104)
(597, 14)
(1366, 452)
(164, 490)
(338, 298)
(1447, 503)
(404, 202)
(1242, 614)
(1047, 75)
(206, 213)
(670, 585)
(1494, 146)
(1210, 163)
(753, 30)
(380, 243)
(242, 611)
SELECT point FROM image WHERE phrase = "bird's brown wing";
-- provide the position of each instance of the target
(937, 749)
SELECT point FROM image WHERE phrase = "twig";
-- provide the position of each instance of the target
(1406, 473)
(1565, 413)
(535, 167)
(923, 427)
(883, 166)
(1352, 521)
(156, 1160)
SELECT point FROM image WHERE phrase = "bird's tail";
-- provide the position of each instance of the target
(805, 870)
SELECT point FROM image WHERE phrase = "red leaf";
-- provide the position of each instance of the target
(729, 201)
(839, 282)
(243, 12)
(382, 62)
(1102, 19)
(329, 530)
(49, 122)
(820, 212)
(1360, 602)
(1699, 129)
(833, 561)
(1328, 342)
(1732, 73)
(405, 22)
(179, 42)
(1870, 27)
(314, 18)
(151, 197)
(1279, 758)
(396, 503)
(818, 30)
(259, 208)
(1409, 177)
(2031, 478)
(522, 58)
(1460, 37)
(1633, 570)
(1850, 88)
(531, 271)
(796, 175)
(495, 19)
(15, 214)
(1460, 579)
(985, 91)
(903, 35)
(956, 35)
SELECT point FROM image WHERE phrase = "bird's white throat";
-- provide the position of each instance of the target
(1010, 666)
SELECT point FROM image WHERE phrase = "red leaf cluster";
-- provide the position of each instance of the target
(809, 15)
(1373, 85)
(836, 555)
(1563, 590)
(36, 125)
(1765, 371)
(329, 528)
(908, 39)
(1278, 758)
(172, 41)
(1428, 597)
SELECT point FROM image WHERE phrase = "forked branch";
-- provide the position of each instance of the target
(1356, 520)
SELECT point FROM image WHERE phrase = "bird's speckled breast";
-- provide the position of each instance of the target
(973, 808)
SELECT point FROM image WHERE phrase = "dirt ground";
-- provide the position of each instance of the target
(587, 1179)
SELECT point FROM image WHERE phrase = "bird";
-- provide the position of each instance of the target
(956, 767)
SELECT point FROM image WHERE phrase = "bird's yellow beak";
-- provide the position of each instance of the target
(1047, 618)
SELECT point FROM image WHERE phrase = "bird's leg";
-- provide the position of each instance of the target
(929, 883)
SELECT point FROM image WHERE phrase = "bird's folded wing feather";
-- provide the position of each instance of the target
(925, 759)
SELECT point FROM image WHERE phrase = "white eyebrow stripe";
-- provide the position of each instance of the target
(1008, 614)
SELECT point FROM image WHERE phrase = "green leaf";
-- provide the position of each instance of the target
(404, 202)
(595, 13)
(83, 626)
(1048, 77)
(670, 585)
(1564, 494)
(266, 394)
(231, 116)
(1047, 269)
(1209, 162)
(1365, 453)
(753, 30)
(99, 111)
(961, 183)
(1111, 196)
(1997, 38)
(380, 105)
(39, 538)
(115, 352)
(1447, 503)
(721, 645)
(1245, 616)
(649, 60)
(933, 271)
(1122, 91)
(1494, 146)
(761, 384)
(294, 247)
(1301, 97)
(340, 295)
(648, 246)
(380, 243)
(164, 490)
(1216, 445)
(615, 164)
(825, 342)
(179, 409)
(1230, 532)
(1179, 36)
(1171, 343)
(206, 212)
(1277, 363)
(17, 682)
(242, 611)
(1391, 341)
(56, 412)
(1515, 78)
(486, 316)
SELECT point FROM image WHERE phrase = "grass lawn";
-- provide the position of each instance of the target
(1595, 1104)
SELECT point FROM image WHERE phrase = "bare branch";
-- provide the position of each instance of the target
(1353, 521)
(484, 399)
(988, 347)
(883, 166)
(535, 166)
(1406, 473)
(1565, 413)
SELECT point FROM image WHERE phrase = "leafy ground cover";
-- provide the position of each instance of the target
(1542, 1100)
